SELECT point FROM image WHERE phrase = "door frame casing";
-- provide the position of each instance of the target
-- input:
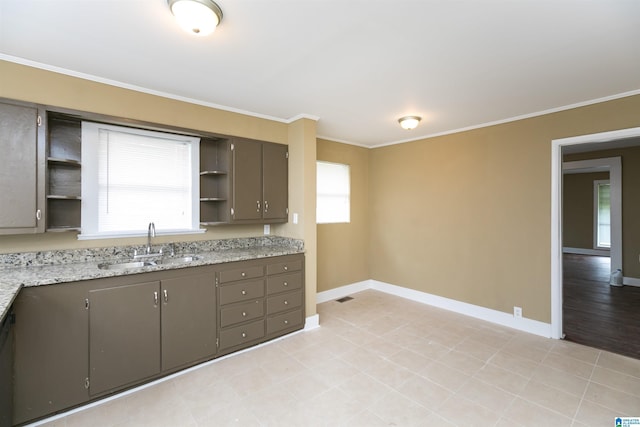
(556, 214)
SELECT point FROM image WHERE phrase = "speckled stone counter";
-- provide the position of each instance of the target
(51, 267)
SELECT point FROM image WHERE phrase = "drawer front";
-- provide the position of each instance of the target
(284, 302)
(249, 272)
(282, 322)
(238, 335)
(241, 313)
(242, 291)
(284, 267)
(284, 282)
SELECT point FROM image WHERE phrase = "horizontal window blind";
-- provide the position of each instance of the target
(139, 177)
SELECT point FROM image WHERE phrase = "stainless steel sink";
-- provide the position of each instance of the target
(139, 264)
(179, 260)
(125, 265)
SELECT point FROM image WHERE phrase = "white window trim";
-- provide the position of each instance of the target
(596, 214)
(89, 179)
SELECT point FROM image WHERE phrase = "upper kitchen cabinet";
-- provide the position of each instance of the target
(260, 182)
(21, 169)
(63, 172)
(215, 181)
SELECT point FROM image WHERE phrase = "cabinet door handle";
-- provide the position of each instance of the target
(266, 206)
(166, 296)
(155, 297)
(258, 203)
(39, 214)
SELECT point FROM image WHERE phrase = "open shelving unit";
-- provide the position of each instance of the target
(215, 181)
(63, 173)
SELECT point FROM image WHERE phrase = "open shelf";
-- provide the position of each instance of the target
(215, 185)
(64, 171)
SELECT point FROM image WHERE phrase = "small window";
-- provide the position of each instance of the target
(333, 193)
(602, 214)
(131, 177)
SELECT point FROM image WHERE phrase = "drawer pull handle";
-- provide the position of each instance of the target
(244, 314)
(243, 274)
(286, 268)
(285, 284)
(286, 302)
(286, 322)
(244, 292)
(244, 335)
(155, 298)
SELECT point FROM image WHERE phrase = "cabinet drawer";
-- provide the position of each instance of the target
(241, 334)
(284, 282)
(242, 291)
(249, 272)
(291, 320)
(284, 302)
(241, 313)
(284, 267)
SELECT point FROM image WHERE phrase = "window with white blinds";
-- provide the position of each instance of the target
(333, 204)
(131, 177)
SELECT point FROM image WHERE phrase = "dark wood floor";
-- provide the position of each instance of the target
(595, 313)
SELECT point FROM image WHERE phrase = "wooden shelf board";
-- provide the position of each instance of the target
(67, 162)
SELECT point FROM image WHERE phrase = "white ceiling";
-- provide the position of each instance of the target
(357, 65)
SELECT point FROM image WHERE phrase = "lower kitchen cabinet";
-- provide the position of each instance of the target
(77, 342)
(188, 320)
(124, 326)
(51, 363)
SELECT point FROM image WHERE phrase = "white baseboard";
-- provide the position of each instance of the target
(342, 291)
(582, 251)
(494, 316)
(630, 281)
(312, 322)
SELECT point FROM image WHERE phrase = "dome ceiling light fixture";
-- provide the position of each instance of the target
(409, 122)
(198, 17)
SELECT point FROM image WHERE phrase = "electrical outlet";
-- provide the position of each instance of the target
(517, 312)
(295, 218)
(267, 229)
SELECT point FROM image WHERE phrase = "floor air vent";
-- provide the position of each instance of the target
(344, 299)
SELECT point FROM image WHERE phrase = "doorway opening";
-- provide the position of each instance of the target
(582, 265)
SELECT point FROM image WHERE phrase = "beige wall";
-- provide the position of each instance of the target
(343, 248)
(630, 203)
(30, 84)
(467, 216)
(577, 209)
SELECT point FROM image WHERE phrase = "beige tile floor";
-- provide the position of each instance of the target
(380, 360)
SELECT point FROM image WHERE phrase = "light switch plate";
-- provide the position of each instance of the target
(267, 229)
(295, 218)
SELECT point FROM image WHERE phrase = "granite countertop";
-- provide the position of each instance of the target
(48, 268)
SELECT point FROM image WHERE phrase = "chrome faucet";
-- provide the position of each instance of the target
(151, 232)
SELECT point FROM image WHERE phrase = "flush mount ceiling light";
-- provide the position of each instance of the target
(409, 122)
(199, 17)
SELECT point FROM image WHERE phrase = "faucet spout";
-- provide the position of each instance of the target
(151, 232)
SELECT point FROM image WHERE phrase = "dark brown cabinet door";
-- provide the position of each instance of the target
(188, 320)
(51, 363)
(275, 181)
(124, 326)
(247, 180)
(19, 170)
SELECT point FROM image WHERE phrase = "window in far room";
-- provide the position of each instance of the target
(333, 193)
(602, 214)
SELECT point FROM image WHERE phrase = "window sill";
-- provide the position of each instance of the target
(139, 234)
